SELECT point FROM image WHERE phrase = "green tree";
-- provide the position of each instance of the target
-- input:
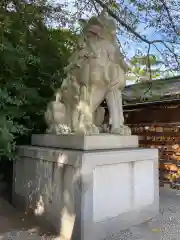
(144, 67)
(31, 67)
(150, 24)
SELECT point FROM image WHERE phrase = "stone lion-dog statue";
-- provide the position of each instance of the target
(96, 71)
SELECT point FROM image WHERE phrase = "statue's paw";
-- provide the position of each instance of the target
(122, 130)
(59, 129)
(63, 129)
(88, 129)
(93, 129)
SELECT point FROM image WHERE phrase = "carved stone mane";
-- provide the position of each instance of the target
(95, 72)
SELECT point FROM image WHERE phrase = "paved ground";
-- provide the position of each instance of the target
(16, 226)
(166, 226)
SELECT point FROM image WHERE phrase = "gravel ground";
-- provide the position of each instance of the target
(166, 226)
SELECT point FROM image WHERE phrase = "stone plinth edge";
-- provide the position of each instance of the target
(83, 142)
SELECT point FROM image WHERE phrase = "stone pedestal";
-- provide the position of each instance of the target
(93, 190)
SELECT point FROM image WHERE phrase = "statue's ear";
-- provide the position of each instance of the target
(82, 22)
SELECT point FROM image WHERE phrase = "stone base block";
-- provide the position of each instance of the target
(83, 142)
(87, 195)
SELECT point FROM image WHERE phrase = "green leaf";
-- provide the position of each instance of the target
(114, 5)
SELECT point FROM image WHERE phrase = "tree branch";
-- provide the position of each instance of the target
(163, 57)
(149, 62)
(169, 15)
(170, 50)
(94, 4)
(111, 13)
(131, 30)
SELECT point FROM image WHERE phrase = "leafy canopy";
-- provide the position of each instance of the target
(149, 26)
(32, 60)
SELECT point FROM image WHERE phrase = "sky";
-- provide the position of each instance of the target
(132, 48)
(150, 33)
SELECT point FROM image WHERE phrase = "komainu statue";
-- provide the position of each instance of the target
(96, 71)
